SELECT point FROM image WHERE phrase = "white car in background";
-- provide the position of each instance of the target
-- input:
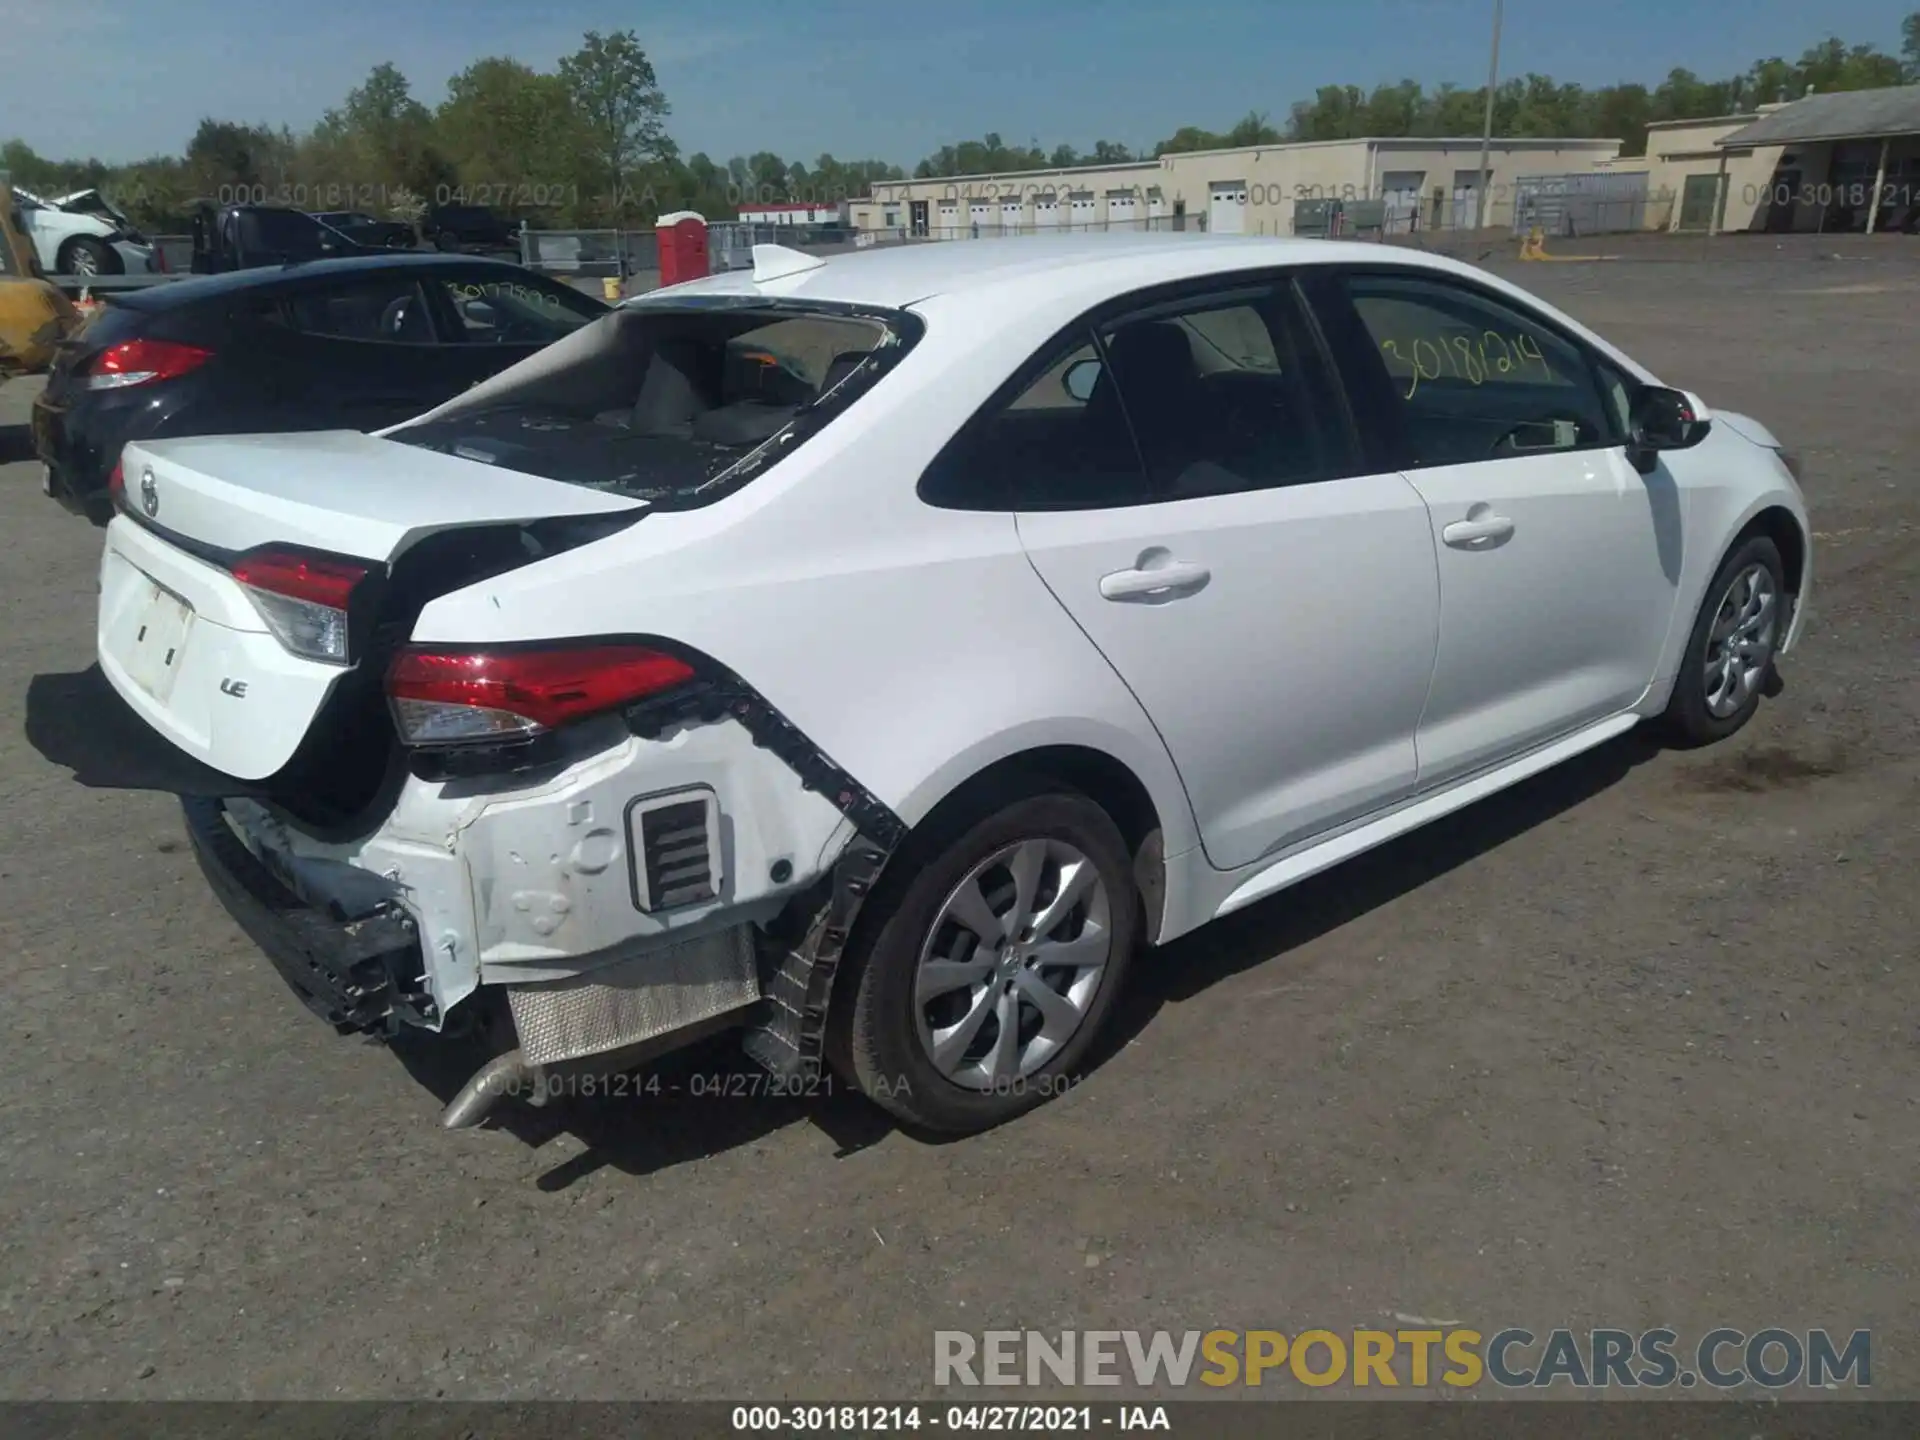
(870, 654)
(83, 234)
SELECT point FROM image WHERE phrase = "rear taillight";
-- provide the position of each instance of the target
(302, 595)
(117, 485)
(141, 362)
(457, 697)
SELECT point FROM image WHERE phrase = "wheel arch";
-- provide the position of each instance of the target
(1094, 771)
(1786, 525)
(1775, 515)
(1783, 527)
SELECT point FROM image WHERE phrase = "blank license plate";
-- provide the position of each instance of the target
(159, 642)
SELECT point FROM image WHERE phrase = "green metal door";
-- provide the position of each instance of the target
(1696, 201)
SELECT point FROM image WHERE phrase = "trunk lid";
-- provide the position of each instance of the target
(186, 644)
(335, 490)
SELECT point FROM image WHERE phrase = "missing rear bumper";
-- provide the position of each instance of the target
(353, 974)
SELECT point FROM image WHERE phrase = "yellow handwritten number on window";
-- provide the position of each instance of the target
(1465, 357)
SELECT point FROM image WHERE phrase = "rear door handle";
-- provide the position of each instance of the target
(1464, 534)
(1157, 578)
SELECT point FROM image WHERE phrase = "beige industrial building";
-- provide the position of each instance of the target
(1424, 183)
(1812, 164)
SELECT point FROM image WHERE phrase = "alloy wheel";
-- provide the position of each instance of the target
(1012, 963)
(1740, 644)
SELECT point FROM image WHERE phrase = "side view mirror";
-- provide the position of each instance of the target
(1081, 378)
(1665, 419)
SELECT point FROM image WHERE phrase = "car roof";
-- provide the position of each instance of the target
(262, 277)
(901, 275)
(1004, 296)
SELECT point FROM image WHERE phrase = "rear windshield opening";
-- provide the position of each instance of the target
(675, 405)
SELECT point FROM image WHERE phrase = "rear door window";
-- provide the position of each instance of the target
(1209, 394)
(1226, 393)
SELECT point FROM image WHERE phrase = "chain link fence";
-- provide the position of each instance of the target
(949, 225)
(1606, 203)
(591, 254)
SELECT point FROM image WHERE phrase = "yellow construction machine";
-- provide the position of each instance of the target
(35, 316)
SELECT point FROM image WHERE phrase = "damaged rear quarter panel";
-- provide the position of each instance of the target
(551, 865)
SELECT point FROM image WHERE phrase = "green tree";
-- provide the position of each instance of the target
(1622, 112)
(29, 170)
(623, 114)
(1253, 128)
(506, 126)
(1910, 47)
(225, 157)
(378, 143)
(1189, 138)
(1835, 65)
(1336, 112)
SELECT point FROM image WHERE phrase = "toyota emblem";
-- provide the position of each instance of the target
(149, 493)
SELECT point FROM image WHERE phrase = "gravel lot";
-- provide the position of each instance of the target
(1633, 1045)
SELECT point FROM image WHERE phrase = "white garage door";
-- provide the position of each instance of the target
(1121, 210)
(1080, 209)
(1013, 214)
(1466, 189)
(949, 220)
(1227, 207)
(1400, 189)
(1046, 213)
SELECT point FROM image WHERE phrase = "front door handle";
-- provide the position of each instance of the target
(1155, 579)
(1465, 534)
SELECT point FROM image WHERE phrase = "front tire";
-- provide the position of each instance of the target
(1729, 657)
(991, 962)
(84, 255)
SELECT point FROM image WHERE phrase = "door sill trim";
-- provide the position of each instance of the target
(1291, 869)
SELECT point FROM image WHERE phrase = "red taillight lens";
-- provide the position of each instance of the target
(141, 362)
(452, 697)
(302, 595)
(117, 484)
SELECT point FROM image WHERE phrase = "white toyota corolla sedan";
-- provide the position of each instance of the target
(868, 655)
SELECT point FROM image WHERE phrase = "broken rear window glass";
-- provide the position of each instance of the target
(675, 404)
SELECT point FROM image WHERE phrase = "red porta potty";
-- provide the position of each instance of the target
(683, 247)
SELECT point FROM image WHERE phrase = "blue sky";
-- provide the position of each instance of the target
(893, 78)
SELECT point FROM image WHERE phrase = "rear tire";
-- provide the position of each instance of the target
(1728, 664)
(930, 986)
